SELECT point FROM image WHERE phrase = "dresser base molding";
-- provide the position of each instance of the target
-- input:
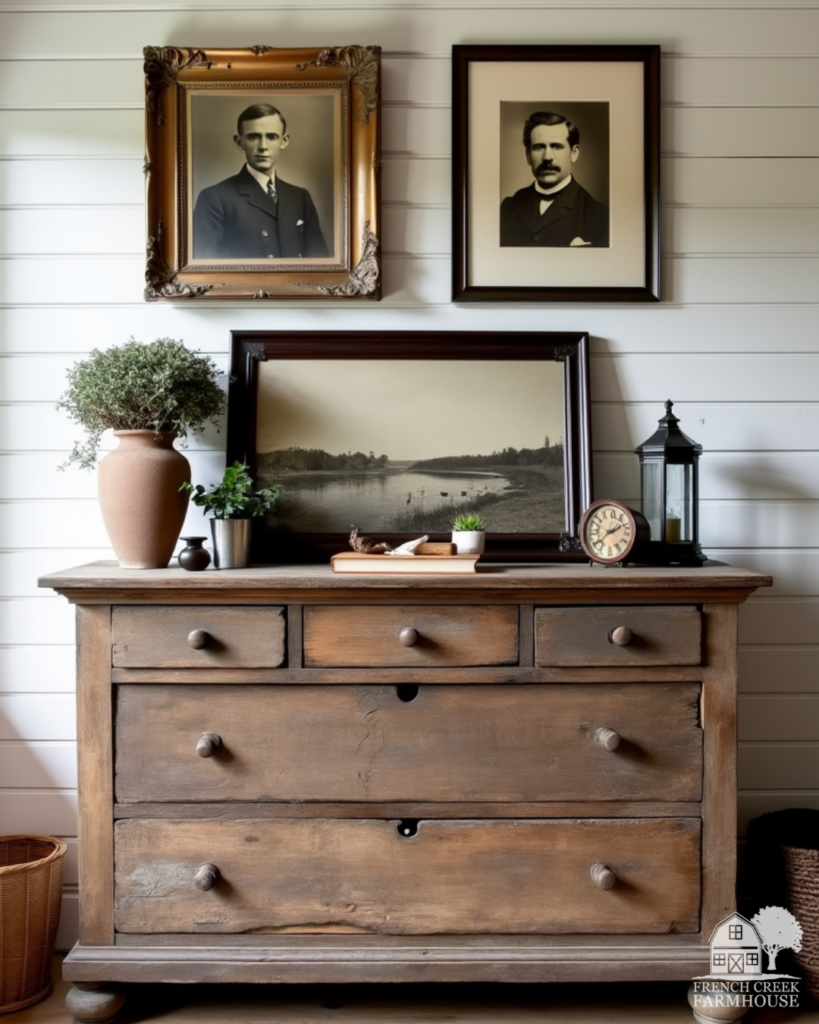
(640, 958)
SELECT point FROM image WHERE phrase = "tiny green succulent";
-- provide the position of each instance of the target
(234, 497)
(467, 522)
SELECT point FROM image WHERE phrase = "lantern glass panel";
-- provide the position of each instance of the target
(654, 503)
(678, 504)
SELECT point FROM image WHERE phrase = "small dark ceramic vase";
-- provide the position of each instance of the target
(194, 557)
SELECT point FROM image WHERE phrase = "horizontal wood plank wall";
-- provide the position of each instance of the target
(734, 341)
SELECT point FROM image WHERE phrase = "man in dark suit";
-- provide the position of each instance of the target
(554, 210)
(255, 214)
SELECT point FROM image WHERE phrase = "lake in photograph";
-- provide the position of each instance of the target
(397, 499)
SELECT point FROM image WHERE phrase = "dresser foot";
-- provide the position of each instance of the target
(94, 1003)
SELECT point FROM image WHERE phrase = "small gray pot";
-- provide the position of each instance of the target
(231, 543)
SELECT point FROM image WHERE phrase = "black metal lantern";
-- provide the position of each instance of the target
(669, 484)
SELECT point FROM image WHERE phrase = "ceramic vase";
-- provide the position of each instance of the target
(193, 557)
(142, 506)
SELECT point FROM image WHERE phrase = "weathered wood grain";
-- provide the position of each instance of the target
(247, 637)
(446, 743)
(95, 744)
(446, 635)
(589, 636)
(719, 804)
(449, 877)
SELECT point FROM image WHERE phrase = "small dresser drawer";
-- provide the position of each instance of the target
(410, 635)
(622, 636)
(201, 636)
(430, 743)
(449, 877)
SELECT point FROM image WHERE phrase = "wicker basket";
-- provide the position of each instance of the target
(783, 857)
(802, 873)
(31, 888)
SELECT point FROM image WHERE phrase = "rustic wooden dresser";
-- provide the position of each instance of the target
(287, 775)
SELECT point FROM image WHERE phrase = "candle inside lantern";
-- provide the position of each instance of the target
(672, 529)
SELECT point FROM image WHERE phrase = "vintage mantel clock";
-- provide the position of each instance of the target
(669, 485)
(612, 533)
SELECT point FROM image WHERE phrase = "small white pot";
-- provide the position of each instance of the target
(469, 542)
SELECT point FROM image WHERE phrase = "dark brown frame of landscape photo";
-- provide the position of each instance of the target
(334, 405)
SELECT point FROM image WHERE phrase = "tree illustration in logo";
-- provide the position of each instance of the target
(779, 930)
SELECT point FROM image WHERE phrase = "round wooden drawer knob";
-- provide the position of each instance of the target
(207, 875)
(621, 636)
(207, 744)
(198, 639)
(608, 739)
(408, 636)
(602, 876)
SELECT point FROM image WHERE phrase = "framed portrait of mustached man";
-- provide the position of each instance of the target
(262, 173)
(556, 178)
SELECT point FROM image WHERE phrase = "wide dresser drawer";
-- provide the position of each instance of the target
(617, 636)
(446, 876)
(201, 636)
(408, 743)
(410, 635)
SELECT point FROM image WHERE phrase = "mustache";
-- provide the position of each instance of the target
(547, 165)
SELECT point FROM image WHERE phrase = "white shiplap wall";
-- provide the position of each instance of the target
(734, 341)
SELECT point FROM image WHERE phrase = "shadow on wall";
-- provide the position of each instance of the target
(628, 488)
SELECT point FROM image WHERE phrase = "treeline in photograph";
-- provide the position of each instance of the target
(552, 456)
(311, 460)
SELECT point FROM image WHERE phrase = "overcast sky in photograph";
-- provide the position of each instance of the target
(409, 409)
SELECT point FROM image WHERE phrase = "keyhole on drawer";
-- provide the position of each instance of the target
(408, 827)
(406, 692)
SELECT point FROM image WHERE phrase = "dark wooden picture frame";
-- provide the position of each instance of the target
(531, 252)
(317, 235)
(420, 362)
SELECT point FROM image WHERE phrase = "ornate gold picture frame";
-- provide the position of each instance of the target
(262, 173)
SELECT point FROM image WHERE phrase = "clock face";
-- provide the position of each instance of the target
(608, 531)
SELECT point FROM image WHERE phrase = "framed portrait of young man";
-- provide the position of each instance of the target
(556, 175)
(261, 171)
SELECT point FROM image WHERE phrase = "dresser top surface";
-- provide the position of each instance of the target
(92, 581)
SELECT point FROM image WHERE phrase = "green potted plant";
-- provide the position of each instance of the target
(468, 534)
(233, 504)
(148, 394)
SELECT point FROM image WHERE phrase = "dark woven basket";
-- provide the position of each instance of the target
(802, 874)
(783, 870)
(31, 890)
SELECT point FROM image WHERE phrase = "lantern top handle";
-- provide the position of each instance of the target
(668, 436)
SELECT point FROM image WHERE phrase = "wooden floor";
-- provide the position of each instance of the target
(408, 1004)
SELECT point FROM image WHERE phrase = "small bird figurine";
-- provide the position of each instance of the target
(408, 547)
(366, 545)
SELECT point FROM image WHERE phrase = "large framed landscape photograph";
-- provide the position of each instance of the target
(398, 432)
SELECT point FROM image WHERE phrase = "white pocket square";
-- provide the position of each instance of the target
(299, 223)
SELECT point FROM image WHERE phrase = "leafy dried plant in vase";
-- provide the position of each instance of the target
(148, 394)
(468, 534)
(233, 503)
